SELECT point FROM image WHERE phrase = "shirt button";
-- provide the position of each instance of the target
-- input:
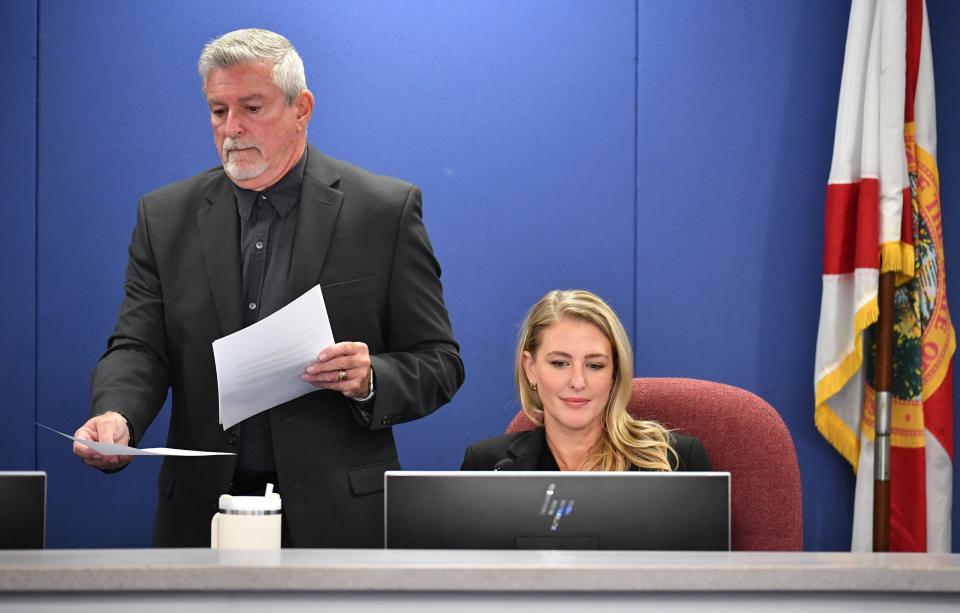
(259, 245)
(262, 197)
(252, 306)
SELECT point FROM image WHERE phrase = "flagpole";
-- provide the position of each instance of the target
(884, 388)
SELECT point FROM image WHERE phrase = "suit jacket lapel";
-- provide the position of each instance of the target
(220, 234)
(526, 450)
(319, 206)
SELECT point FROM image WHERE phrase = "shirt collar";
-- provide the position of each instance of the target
(283, 195)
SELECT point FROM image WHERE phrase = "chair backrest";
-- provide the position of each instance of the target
(745, 436)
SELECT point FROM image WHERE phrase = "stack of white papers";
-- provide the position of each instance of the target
(260, 366)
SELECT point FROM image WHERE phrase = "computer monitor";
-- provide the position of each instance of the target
(557, 510)
(23, 509)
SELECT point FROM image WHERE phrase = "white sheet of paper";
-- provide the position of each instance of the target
(259, 367)
(115, 449)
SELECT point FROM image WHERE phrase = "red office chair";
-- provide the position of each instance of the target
(743, 435)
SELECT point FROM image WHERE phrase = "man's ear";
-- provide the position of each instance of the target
(304, 103)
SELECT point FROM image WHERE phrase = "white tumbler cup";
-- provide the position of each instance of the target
(247, 522)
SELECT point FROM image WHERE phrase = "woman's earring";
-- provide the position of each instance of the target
(533, 386)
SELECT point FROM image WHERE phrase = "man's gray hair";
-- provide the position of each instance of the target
(254, 45)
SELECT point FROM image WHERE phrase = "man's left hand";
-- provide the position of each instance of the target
(343, 367)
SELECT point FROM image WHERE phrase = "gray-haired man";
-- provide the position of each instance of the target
(219, 251)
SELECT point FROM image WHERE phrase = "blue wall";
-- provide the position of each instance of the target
(671, 156)
(18, 180)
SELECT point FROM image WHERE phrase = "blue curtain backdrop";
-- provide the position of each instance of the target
(671, 156)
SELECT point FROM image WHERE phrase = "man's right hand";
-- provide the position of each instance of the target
(108, 427)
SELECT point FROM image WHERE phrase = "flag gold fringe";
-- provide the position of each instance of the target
(865, 317)
(897, 256)
(834, 381)
(838, 434)
(834, 429)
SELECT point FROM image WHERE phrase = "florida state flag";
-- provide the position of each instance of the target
(883, 214)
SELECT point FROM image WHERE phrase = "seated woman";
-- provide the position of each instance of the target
(574, 373)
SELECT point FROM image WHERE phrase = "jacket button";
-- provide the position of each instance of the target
(232, 438)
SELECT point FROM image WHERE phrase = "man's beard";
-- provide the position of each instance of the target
(237, 170)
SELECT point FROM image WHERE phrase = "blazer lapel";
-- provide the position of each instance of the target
(526, 450)
(319, 206)
(220, 235)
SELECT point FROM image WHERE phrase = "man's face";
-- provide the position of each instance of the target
(258, 136)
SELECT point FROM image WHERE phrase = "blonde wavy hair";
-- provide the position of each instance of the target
(625, 441)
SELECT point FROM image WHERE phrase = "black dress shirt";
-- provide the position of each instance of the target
(268, 221)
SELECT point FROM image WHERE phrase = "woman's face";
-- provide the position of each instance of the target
(573, 371)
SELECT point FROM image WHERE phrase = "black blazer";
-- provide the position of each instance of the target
(361, 237)
(525, 449)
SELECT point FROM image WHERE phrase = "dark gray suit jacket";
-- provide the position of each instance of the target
(523, 449)
(361, 237)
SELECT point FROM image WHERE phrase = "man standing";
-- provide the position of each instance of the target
(219, 251)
